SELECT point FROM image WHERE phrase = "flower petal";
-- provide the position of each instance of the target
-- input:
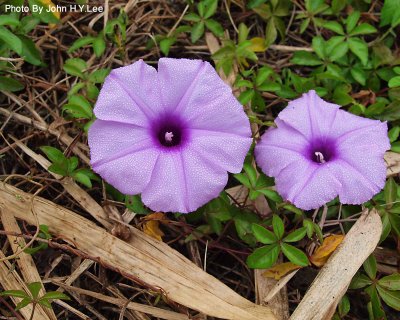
(119, 99)
(109, 139)
(201, 97)
(359, 183)
(307, 185)
(223, 150)
(182, 182)
(279, 147)
(310, 115)
(118, 152)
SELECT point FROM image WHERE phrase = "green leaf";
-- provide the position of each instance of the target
(243, 179)
(363, 28)
(246, 96)
(359, 281)
(391, 282)
(278, 226)
(192, 17)
(334, 26)
(72, 164)
(55, 295)
(44, 15)
(391, 298)
(318, 44)
(304, 58)
(135, 204)
(359, 48)
(197, 31)
(394, 82)
(390, 192)
(264, 257)
(375, 309)
(211, 7)
(395, 147)
(80, 42)
(390, 13)
(11, 40)
(352, 20)
(81, 177)
(344, 306)
(296, 235)
(270, 33)
(263, 235)
(98, 76)
(214, 27)
(10, 84)
(370, 266)
(262, 75)
(294, 255)
(271, 194)
(54, 155)
(75, 67)
(34, 289)
(14, 293)
(359, 75)
(99, 45)
(30, 53)
(45, 303)
(165, 45)
(9, 20)
(23, 303)
(338, 51)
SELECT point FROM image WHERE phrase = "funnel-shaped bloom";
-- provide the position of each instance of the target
(318, 152)
(170, 135)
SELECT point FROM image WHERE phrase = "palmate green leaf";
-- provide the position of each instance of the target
(81, 42)
(210, 8)
(394, 133)
(296, 235)
(394, 82)
(359, 75)
(243, 179)
(98, 76)
(30, 53)
(14, 293)
(391, 298)
(11, 40)
(165, 45)
(390, 14)
(197, 31)
(270, 33)
(359, 281)
(55, 295)
(263, 235)
(54, 154)
(294, 255)
(344, 306)
(352, 20)
(23, 303)
(192, 17)
(278, 226)
(395, 147)
(370, 266)
(359, 48)
(333, 26)
(34, 289)
(10, 84)
(214, 27)
(264, 257)
(304, 58)
(75, 67)
(363, 28)
(391, 112)
(375, 309)
(271, 194)
(390, 192)
(318, 44)
(99, 45)
(390, 282)
(81, 177)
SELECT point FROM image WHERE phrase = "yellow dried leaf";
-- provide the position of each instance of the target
(151, 226)
(280, 270)
(50, 5)
(322, 254)
(257, 44)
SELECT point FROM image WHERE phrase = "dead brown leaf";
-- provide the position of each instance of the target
(323, 252)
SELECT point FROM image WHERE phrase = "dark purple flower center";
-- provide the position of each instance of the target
(321, 151)
(169, 131)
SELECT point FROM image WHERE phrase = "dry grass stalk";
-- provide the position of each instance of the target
(10, 280)
(25, 262)
(144, 259)
(333, 279)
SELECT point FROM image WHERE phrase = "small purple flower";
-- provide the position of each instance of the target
(318, 152)
(170, 135)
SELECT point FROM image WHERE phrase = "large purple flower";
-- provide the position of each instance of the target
(318, 152)
(170, 135)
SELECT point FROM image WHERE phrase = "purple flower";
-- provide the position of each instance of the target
(318, 152)
(170, 135)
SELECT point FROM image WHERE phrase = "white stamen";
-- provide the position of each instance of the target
(168, 136)
(320, 157)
